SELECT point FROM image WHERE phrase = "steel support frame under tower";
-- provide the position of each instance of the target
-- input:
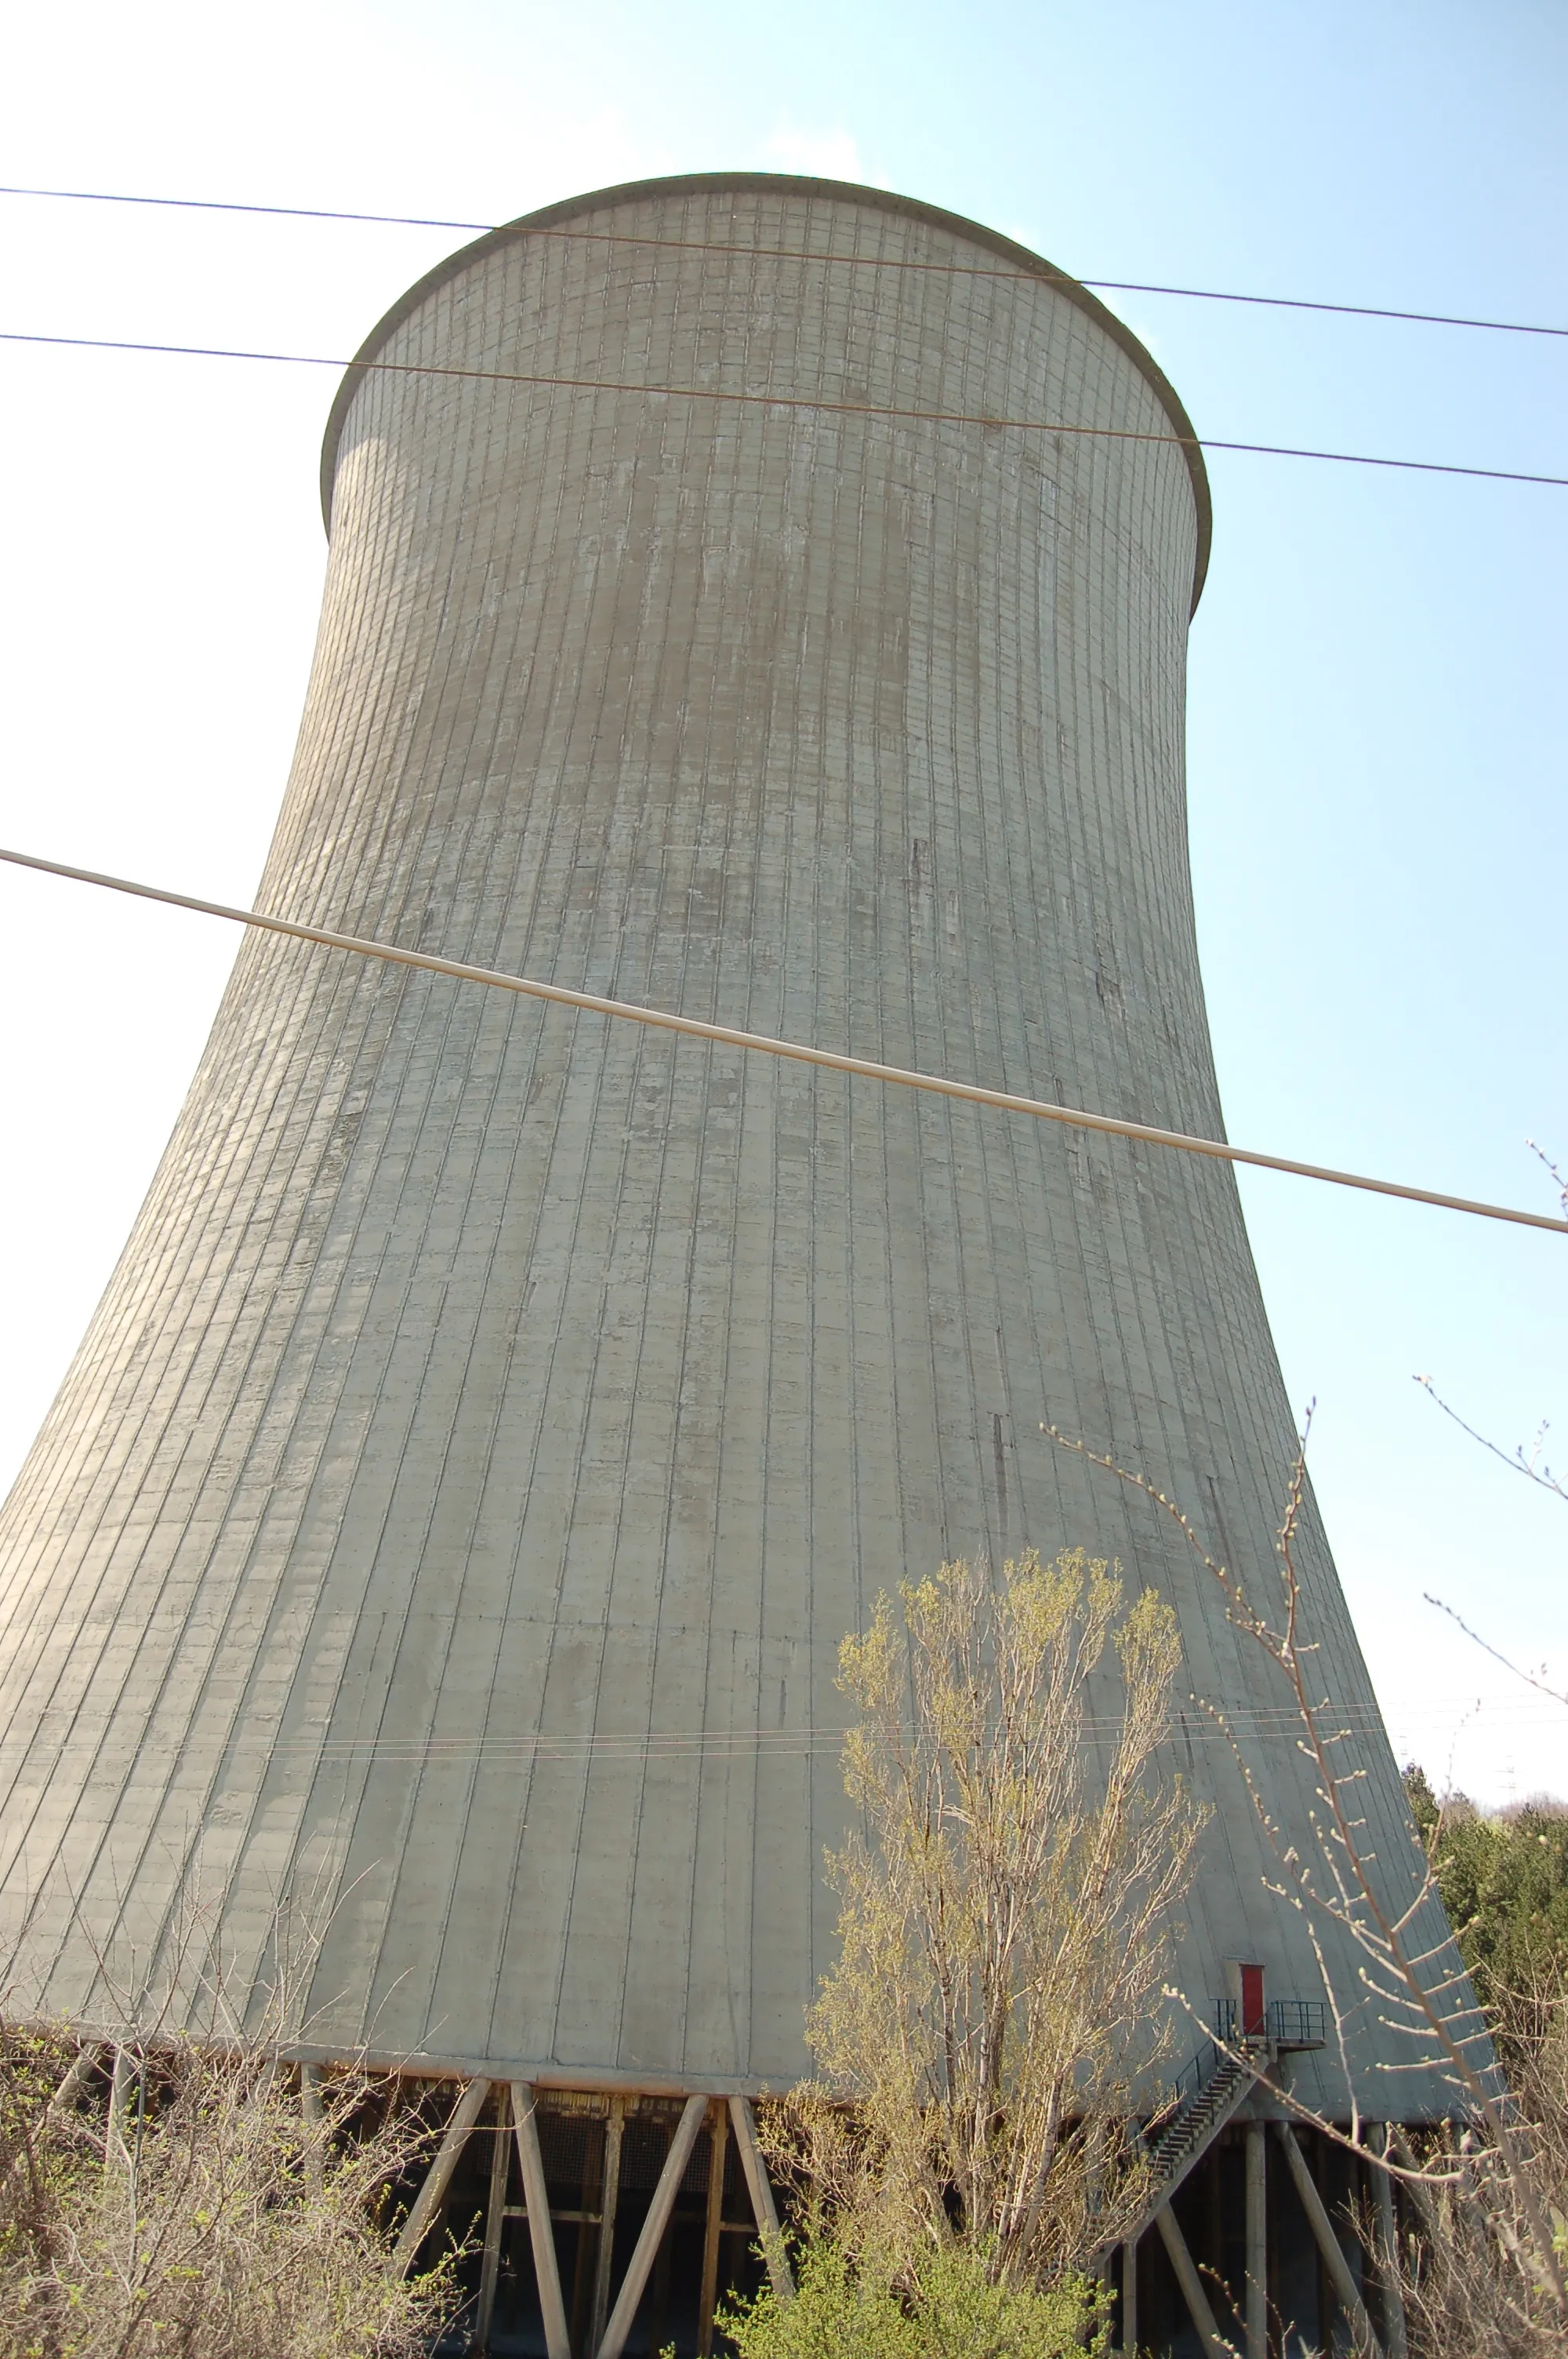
(1241, 2294)
(594, 2317)
(1246, 2314)
(1266, 2262)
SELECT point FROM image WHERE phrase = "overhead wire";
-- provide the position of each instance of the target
(1256, 1722)
(730, 1036)
(818, 406)
(796, 253)
(625, 1010)
(1243, 1724)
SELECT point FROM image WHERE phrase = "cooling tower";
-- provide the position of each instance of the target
(768, 600)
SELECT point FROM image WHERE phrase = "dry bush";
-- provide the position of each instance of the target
(1485, 2273)
(204, 2215)
(1472, 2276)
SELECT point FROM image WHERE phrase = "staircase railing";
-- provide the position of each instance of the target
(1201, 2116)
(1287, 2022)
(1209, 2091)
(1213, 2084)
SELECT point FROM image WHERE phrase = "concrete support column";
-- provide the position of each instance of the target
(1130, 2299)
(1333, 2259)
(765, 2211)
(117, 2140)
(1187, 2277)
(494, 2222)
(465, 2113)
(1388, 2255)
(315, 2120)
(1257, 2297)
(608, 2204)
(713, 2225)
(541, 2232)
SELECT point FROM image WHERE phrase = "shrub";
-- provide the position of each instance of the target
(212, 2220)
(952, 2308)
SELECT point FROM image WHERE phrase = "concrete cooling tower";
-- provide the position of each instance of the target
(445, 1534)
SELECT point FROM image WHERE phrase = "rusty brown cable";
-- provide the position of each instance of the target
(799, 253)
(784, 402)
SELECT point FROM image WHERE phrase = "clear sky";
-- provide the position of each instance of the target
(1377, 727)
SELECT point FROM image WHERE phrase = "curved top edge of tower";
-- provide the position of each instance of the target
(708, 183)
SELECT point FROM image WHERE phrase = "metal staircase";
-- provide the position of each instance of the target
(1211, 2089)
(1220, 2086)
(1208, 2094)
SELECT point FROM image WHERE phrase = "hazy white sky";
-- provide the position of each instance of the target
(1377, 722)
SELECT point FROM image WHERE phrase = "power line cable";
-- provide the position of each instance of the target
(785, 401)
(695, 1028)
(796, 253)
(1252, 1724)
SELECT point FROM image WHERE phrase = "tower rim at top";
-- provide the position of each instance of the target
(709, 183)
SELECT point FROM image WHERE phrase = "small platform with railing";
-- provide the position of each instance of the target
(1288, 2024)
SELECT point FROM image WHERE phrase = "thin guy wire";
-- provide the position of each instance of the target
(728, 1035)
(1259, 1726)
(785, 401)
(797, 254)
(1364, 1719)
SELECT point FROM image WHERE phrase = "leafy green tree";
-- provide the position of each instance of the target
(1504, 1882)
(1006, 1906)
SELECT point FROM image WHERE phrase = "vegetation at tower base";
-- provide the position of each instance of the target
(196, 2207)
(1470, 2284)
(1006, 1912)
(1469, 2252)
(1472, 2277)
(946, 2304)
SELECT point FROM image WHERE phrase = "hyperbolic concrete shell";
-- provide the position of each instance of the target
(499, 1416)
